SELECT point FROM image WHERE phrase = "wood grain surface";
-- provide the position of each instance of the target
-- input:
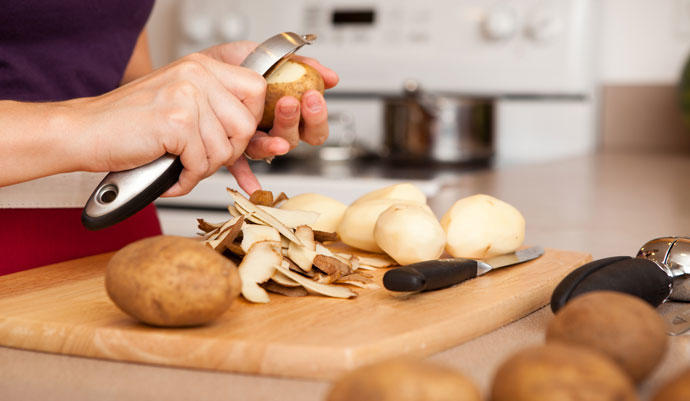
(63, 308)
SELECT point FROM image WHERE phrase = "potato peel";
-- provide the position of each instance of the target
(245, 204)
(280, 256)
(257, 267)
(323, 289)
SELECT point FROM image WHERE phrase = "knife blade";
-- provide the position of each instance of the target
(440, 273)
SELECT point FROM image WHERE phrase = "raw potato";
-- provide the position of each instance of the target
(171, 281)
(561, 372)
(292, 78)
(481, 226)
(330, 210)
(404, 191)
(622, 326)
(404, 379)
(409, 234)
(357, 226)
(678, 389)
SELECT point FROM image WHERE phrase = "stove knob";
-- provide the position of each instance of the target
(233, 27)
(500, 24)
(543, 28)
(198, 28)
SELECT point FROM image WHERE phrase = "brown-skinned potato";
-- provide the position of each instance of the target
(404, 379)
(676, 389)
(171, 281)
(622, 326)
(292, 78)
(558, 371)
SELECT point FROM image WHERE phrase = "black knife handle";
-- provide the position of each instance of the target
(430, 275)
(635, 276)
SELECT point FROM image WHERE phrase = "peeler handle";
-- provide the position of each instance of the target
(642, 278)
(121, 194)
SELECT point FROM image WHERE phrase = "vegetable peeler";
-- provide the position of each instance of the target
(121, 194)
(659, 272)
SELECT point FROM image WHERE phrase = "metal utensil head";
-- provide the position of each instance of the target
(275, 50)
(673, 255)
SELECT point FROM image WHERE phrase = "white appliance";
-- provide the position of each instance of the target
(534, 58)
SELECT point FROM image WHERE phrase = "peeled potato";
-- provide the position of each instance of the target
(292, 78)
(357, 226)
(481, 226)
(622, 326)
(404, 379)
(330, 210)
(404, 191)
(561, 372)
(409, 234)
(171, 281)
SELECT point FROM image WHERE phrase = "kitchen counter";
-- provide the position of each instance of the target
(605, 204)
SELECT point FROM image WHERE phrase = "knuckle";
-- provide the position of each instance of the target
(196, 57)
(199, 169)
(181, 118)
(245, 126)
(223, 154)
(191, 65)
(185, 89)
(260, 86)
(255, 83)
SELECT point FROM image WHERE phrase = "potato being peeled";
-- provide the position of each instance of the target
(330, 210)
(481, 226)
(292, 78)
(409, 234)
(171, 281)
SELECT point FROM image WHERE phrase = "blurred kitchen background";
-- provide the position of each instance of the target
(433, 89)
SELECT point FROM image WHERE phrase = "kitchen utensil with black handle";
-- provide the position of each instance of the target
(659, 272)
(121, 194)
(436, 274)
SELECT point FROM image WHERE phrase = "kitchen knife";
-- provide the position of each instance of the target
(658, 272)
(121, 194)
(436, 274)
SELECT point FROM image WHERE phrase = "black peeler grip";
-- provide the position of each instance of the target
(635, 276)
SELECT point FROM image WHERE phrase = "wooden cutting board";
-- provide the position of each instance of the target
(63, 308)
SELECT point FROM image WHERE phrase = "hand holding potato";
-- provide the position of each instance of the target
(305, 118)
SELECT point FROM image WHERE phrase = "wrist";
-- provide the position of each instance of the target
(68, 130)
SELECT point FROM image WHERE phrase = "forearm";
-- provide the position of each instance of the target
(37, 140)
(139, 62)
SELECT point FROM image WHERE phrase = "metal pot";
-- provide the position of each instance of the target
(423, 127)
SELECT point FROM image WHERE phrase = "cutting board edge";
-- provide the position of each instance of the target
(338, 362)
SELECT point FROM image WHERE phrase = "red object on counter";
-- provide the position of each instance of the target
(37, 237)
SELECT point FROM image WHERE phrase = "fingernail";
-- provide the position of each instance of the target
(314, 102)
(288, 109)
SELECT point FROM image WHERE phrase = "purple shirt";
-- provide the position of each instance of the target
(64, 49)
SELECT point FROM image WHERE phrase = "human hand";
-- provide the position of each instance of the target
(312, 110)
(204, 110)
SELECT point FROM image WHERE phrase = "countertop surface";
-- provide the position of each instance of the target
(606, 205)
